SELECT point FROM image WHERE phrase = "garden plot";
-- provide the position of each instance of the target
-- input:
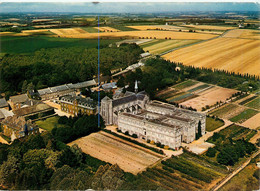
(253, 122)
(243, 116)
(227, 111)
(209, 97)
(130, 157)
(254, 103)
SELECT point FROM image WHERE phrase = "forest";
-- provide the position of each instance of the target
(56, 66)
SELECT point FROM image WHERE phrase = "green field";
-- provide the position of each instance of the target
(254, 104)
(90, 29)
(167, 94)
(212, 124)
(49, 123)
(240, 118)
(11, 44)
(185, 84)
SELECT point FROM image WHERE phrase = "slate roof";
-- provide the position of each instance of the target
(3, 102)
(32, 109)
(84, 102)
(129, 97)
(19, 98)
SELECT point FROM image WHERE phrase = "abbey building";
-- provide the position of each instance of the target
(152, 120)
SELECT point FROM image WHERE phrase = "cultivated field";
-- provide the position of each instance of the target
(166, 45)
(253, 122)
(236, 55)
(243, 116)
(243, 33)
(68, 31)
(130, 157)
(227, 111)
(156, 27)
(209, 27)
(185, 172)
(209, 97)
(107, 29)
(139, 34)
(255, 103)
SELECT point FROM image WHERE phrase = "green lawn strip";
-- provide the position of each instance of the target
(185, 84)
(175, 95)
(213, 124)
(90, 29)
(198, 88)
(247, 100)
(49, 123)
(244, 116)
(178, 98)
(254, 104)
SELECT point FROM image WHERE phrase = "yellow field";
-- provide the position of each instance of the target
(243, 33)
(107, 29)
(138, 34)
(35, 31)
(209, 27)
(68, 31)
(167, 45)
(236, 55)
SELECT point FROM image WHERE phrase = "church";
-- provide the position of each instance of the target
(152, 120)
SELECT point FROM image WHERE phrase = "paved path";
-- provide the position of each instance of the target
(227, 178)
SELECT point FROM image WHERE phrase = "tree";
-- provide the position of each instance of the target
(24, 86)
(30, 87)
(211, 152)
(8, 171)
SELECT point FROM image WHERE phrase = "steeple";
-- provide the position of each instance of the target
(136, 87)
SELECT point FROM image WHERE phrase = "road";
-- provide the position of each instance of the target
(227, 178)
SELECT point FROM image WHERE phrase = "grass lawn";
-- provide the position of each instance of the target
(212, 124)
(10, 44)
(254, 104)
(185, 84)
(49, 123)
(240, 118)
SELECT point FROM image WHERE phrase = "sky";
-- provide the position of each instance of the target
(125, 7)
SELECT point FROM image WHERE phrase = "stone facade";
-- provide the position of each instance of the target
(129, 102)
(152, 120)
(76, 104)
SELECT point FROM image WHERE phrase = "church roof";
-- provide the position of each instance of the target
(129, 97)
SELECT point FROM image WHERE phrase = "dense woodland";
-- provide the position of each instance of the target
(56, 66)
